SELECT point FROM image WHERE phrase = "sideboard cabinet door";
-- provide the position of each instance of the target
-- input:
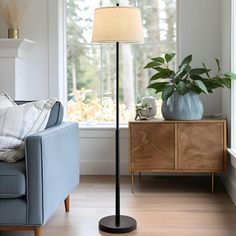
(200, 146)
(152, 146)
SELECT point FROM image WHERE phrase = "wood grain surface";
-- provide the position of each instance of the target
(152, 146)
(165, 206)
(200, 146)
(177, 146)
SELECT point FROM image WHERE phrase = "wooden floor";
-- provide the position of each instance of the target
(165, 206)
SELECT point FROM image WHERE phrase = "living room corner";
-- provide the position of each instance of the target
(58, 90)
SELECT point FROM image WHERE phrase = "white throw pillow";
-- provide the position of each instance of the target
(6, 101)
(17, 122)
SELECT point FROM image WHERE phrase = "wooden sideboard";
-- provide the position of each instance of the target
(177, 146)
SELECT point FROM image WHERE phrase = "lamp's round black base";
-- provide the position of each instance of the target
(108, 224)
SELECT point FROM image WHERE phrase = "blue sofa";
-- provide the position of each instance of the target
(32, 189)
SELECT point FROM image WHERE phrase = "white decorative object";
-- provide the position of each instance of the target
(143, 112)
(17, 122)
(150, 101)
(13, 67)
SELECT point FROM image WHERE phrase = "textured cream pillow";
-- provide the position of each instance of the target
(6, 101)
(17, 122)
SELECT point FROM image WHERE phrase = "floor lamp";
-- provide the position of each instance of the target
(117, 25)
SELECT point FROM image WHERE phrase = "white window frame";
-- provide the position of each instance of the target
(233, 69)
(57, 51)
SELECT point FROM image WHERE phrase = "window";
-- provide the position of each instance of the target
(91, 67)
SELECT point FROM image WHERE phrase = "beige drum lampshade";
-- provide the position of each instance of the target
(117, 24)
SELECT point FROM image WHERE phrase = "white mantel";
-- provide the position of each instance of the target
(13, 54)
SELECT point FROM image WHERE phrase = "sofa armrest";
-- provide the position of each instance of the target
(52, 169)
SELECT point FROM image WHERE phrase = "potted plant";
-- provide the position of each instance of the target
(180, 89)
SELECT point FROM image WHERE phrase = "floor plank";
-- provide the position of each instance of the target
(163, 206)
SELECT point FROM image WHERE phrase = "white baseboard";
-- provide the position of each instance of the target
(230, 187)
(229, 178)
(102, 168)
(108, 168)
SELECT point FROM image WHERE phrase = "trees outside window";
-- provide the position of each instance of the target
(91, 67)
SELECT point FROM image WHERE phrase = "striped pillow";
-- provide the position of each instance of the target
(17, 122)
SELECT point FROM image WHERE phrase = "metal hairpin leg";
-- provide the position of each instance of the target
(132, 182)
(140, 176)
(212, 182)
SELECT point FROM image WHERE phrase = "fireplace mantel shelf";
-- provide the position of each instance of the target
(15, 47)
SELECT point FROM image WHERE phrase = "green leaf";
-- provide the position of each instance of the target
(198, 71)
(161, 69)
(161, 75)
(218, 64)
(183, 71)
(169, 56)
(196, 77)
(188, 84)
(208, 85)
(167, 92)
(186, 61)
(159, 87)
(152, 64)
(196, 89)
(201, 85)
(221, 82)
(213, 83)
(208, 75)
(161, 60)
(226, 82)
(184, 68)
(230, 75)
(181, 88)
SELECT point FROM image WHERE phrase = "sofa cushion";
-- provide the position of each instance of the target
(12, 179)
(13, 212)
(6, 101)
(17, 122)
(56, 114)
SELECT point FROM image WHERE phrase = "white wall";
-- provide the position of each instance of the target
(35, 27)
(97, 151)
(226, 59)
(199, 33)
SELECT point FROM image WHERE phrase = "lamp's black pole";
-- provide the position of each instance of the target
(117, 139)
(117, 147)
(117, 224)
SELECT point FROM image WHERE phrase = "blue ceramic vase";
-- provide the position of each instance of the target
(182, 107)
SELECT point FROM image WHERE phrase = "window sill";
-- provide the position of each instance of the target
(100, 132)
(100, 125)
